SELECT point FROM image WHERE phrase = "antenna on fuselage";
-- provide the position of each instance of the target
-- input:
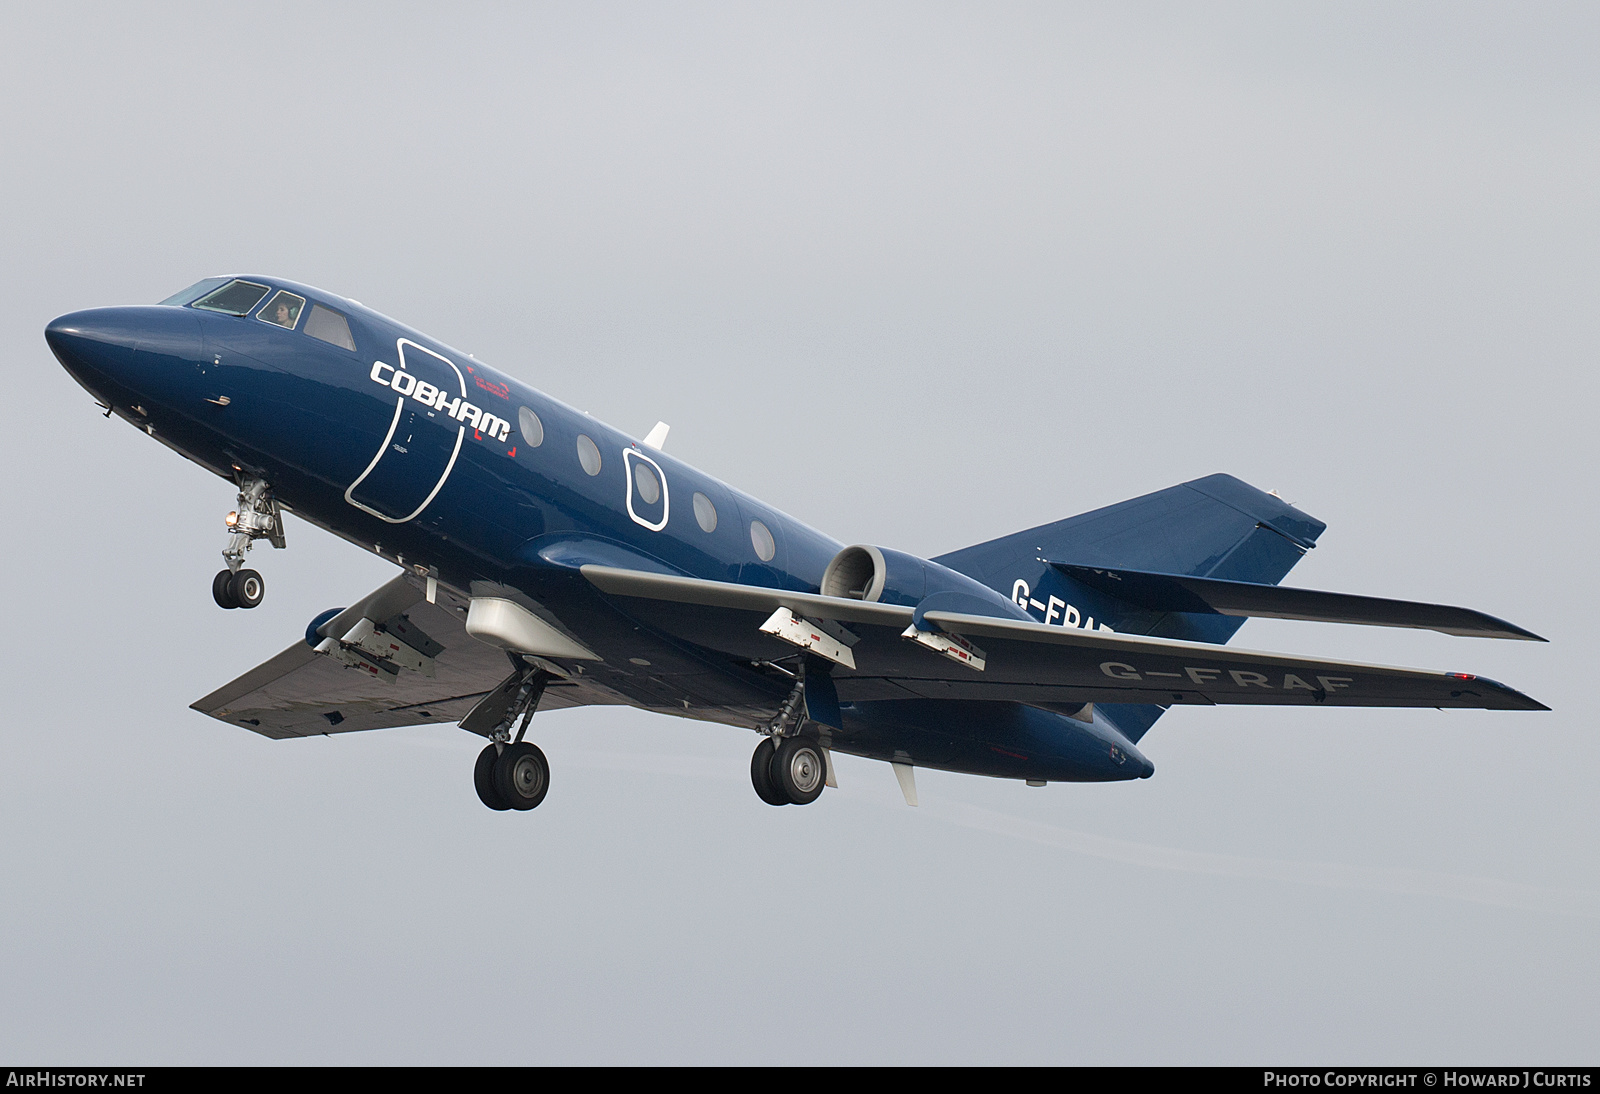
(657, 437)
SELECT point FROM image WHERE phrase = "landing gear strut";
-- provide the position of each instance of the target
(258, 517)
(789, 770)
(510, 774)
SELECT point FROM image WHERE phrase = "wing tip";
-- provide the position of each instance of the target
(1502, 628)
(1516, 700)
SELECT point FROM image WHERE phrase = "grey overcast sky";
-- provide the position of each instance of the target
(919, 274)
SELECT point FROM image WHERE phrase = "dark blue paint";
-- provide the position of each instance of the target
(310, 417)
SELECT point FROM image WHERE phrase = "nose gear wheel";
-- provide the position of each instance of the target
(246, 588)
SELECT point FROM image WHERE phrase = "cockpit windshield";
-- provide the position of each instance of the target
(234, 298)
(194, 292)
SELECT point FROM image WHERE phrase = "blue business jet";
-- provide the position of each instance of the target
(547, 561)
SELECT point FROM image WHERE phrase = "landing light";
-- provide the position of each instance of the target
(231, 519)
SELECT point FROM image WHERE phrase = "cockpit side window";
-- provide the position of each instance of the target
(330, 326)
(282, 310)
(234, 298)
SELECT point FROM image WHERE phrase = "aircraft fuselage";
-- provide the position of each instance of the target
(453, 470)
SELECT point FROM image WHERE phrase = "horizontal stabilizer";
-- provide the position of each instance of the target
(1209, 596)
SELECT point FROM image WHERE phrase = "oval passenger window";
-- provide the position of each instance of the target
(532, 428)
(761, 540)
(588, 455)
(645, 481)
(705, 512)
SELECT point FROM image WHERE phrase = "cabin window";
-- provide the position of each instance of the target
(330, 326)
(588, 455)
(761, 539)
(645, 481)
(647, 490)
(705, 512)
(283, 310)
(234, 298)
(532, 428)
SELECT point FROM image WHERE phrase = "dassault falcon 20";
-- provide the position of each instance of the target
(548, 561)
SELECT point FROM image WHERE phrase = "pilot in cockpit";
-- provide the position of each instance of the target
(284, 310)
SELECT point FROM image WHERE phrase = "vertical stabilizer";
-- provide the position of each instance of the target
(1216, 527)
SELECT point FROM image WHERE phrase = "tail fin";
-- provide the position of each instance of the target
(1215, 527)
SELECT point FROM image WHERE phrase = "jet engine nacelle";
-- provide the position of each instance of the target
(864, 572)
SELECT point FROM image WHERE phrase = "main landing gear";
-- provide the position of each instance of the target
(258, 517)
(510, 774)
(789, 770)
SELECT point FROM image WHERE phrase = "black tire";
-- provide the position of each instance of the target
(800, 770)
(247, 588)
(761, 774)
(483, 779)
(522, 775)
(222, 589)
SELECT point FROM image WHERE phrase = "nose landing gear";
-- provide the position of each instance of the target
(258, 517)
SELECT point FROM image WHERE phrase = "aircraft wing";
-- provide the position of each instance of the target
(1023, 661)
(301, 693)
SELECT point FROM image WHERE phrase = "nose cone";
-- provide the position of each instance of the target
(116, 353)
(87, 342)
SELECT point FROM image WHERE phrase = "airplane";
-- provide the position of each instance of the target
(546, 560)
